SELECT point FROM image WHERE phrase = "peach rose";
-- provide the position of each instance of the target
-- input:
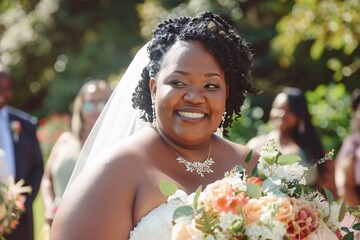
(222, 197)
(181, 231)
(286, 211)
(252, 211)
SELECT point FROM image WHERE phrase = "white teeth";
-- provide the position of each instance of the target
(191, 114)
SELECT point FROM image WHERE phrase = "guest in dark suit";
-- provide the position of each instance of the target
(22, 153)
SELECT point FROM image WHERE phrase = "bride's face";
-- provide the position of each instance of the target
(189, 93)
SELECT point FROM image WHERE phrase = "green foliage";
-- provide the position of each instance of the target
(167, 188)
(328, 25)
(249, 124)
(330, 109)
(288, 159)
(253, 190)
(207, 220)
(183, 213)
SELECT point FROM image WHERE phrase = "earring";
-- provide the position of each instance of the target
(153, 115)
(222, 123)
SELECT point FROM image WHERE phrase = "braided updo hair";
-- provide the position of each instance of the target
(222, 40)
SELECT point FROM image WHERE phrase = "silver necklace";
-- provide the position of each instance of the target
(199, 167)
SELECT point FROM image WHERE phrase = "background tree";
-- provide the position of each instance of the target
(53, 46)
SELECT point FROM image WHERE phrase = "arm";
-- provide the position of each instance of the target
(47, 188)
(351, 196)
(99, 203)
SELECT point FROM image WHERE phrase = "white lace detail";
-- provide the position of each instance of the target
(157, 224)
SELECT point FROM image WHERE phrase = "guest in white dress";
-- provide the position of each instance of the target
(196, 77)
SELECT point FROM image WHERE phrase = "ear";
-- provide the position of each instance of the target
(153, 88)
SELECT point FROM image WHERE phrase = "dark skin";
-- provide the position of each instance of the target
(189, 94)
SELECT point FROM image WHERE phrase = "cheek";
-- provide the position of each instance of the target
(291, 120)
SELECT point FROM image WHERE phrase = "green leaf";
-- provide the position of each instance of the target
(272, 184)
(343, 211)
(356, 226)
(248, 156)
(288, 159)
(345, 229)
(349, 236)
(182, 212)
(207, 221)
(196, 197)
(329, 196)
(253, 190)
(317, 49)
(167, 188)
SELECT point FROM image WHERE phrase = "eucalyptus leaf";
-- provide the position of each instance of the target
(329, 196)
(167, 188)
(272, 184)
(183, 211)
(288, 159)
(253, 190)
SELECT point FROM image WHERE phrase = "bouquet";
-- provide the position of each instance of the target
(11, 204)
(274, 203)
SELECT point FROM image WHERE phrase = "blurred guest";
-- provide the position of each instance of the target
(88, 104)
(347, 168)
(21, 152)
(294, 133)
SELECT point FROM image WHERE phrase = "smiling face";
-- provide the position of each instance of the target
(189, 93)
(281, 115)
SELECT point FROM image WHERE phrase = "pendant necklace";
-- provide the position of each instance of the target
(199, 167)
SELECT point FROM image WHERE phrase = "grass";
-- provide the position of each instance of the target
(39, 218)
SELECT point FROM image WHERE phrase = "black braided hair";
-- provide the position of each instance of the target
(221, 39)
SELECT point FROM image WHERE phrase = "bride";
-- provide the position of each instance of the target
(195, 79)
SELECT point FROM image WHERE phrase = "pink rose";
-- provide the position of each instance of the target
(305, 222)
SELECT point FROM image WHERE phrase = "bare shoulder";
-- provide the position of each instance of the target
(103, 192)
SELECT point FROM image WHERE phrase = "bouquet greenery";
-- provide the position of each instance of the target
(274, 203)
(12, 205)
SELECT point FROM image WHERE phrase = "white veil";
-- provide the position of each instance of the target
(118, 119)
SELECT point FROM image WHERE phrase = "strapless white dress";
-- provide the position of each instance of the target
(157, 224)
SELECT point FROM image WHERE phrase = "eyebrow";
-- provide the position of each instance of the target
(207, 74)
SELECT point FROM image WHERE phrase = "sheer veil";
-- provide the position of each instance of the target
(118, 119)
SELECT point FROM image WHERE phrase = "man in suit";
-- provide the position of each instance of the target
(22, 153)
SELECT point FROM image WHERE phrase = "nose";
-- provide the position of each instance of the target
(194, 95)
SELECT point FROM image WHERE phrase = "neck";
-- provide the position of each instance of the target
(195, 153)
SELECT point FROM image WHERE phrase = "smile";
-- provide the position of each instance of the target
(191, 115)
